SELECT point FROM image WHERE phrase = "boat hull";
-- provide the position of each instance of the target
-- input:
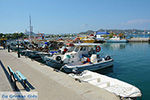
(91, 67)
(88, 41)
(54, 63)
(116, 41)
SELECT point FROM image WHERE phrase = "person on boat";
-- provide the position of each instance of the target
(86, 60)
(65, 50)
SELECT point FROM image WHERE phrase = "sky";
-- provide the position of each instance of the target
(73, 16)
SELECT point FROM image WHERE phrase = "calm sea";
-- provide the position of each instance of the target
(131, 64)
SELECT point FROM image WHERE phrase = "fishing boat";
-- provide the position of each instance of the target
(43, 54)
(122, 89)
(116, 39)
(89, 60)
(95, 63)
(55, 58)
(80, 57)
(30, 53)
(87, 40)
(14, 46)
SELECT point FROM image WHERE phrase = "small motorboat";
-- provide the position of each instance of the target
(43, 54)
(73, 59)
(92, 63)
(30, 53)
(116, 39)
(55, 58)
(122, 89)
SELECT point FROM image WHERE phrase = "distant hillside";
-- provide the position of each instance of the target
(127, 31)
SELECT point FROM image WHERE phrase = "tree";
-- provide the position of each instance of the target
(121, 35)
(111, 35)
(1, 34)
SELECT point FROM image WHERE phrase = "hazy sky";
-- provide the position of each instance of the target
(65, 16)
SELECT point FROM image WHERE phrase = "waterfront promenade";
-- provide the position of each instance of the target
(4, 82)
(49, 84)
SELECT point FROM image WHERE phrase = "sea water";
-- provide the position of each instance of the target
(131, 64)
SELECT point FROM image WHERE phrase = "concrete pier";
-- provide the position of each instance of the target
(49, 84)
(139, 40)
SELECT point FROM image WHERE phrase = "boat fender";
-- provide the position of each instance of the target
(98, 49)
(58, 58)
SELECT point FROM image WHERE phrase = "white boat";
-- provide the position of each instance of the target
(74, 59)
(43, 54)
(78, 61)
(30, 53)
(59, 59)
(116, 39)
(115, 86)
(95, 63)
(55, 60)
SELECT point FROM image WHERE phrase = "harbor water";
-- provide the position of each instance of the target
(131, 64)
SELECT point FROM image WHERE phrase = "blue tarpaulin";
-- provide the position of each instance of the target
(102, 33)
(53, 52)
(46, 42)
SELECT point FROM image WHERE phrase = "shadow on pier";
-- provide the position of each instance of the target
(13, 83)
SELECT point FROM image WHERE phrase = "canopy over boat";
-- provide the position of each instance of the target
(70, 44)
(102, 33)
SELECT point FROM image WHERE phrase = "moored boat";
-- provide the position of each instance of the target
(84, 56)
(116, 39)
(122, 89)
(94, 63)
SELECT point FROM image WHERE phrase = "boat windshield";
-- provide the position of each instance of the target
(70, 49)
(84, 48)
(76, 49)
(81, 48)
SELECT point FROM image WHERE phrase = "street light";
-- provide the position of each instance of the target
(4, 44)
(8, 47)
(8, 43)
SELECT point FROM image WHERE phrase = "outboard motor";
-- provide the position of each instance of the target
(107, 58)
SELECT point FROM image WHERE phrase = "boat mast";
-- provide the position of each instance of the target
(31, 28)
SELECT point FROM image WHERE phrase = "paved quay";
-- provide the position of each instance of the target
(4, 83)
(49, 84)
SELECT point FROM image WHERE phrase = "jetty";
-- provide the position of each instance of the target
(50, 84)
(139, 39)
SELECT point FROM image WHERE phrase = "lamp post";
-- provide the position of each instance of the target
(8, 47)
(4, 43)
(18, 46)
(8, 44)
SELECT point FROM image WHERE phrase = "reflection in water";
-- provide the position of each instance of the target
(105, 70)
(114, 46)
(131, 64)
